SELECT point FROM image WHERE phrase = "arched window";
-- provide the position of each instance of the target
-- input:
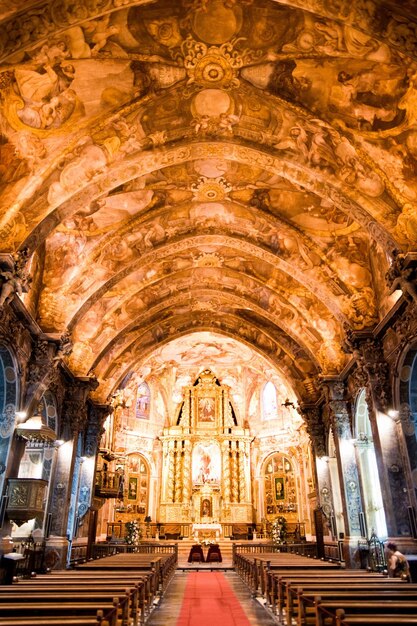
(48, 410)
(371, 489)
(269, 402)
(143, 402)
(36, 461)
(8, 400)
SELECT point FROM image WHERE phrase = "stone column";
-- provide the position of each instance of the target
(93, 432)
(348, 470)
(373, 373)
(312, 415)
(73, 422)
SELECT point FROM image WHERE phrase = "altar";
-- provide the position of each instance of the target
(206, 531)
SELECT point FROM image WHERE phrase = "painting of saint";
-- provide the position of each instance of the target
(279, 489)
(206, 508)
(133, 488)
(143, 401)
(206, 410)
(206, 464)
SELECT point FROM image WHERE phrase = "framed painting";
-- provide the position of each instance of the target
(206, 410)
(132, 493)
(279, 489)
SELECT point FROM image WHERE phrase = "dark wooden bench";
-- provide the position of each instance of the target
(143, 584)
(140, 589)
(373, 620)
(56, 621)
(307, 598)
(115, 612)
(325, 611)
(254, 569)
(280, 583)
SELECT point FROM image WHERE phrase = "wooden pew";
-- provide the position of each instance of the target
(325, 611)
(308, 589)
(281, 584)
(143, 585)
(253, 569)
(127, 599)
(375, 620)
(122, 587)
(307, 598)
(114, 611)
(99, 620)
(141, 593)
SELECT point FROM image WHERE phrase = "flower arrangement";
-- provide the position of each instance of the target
(133, 533)
(279, 529)
(207, 542)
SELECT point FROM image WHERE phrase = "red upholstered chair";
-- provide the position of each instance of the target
(214, 555)
(196, 554)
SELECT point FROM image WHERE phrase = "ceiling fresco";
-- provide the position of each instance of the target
(200, 178)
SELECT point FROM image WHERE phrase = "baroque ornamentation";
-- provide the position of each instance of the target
(212, 67)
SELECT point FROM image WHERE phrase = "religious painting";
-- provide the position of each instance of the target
(206, 409)
(143, 402)
(133, 488)
(206, 508)
(206, 464)
(279, 488)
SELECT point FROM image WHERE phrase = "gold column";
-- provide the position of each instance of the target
(241, 467)
(186, 481)
(171, 472)
(226, 471)
(234, 474)
(178, 472)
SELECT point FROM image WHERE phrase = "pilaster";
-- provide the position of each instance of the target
(372, 373)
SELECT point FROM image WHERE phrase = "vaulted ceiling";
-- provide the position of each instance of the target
(245, 169)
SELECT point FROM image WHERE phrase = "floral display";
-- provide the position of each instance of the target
(133, 533)
(279, 530)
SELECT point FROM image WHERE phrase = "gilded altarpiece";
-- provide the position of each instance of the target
(206, 460)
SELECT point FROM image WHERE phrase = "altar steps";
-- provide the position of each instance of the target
(226, 548)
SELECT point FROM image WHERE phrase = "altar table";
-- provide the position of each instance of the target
(206, 530)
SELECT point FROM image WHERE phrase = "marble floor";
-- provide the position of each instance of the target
(166, 614)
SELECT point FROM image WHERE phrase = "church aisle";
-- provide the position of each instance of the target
(172, 610)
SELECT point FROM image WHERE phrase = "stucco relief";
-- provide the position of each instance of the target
(242, 168)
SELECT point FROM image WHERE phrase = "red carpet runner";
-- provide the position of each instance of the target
(209, 600)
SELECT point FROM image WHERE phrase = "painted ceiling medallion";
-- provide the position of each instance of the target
(217, 21)
(214, 66)
(211, 189)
